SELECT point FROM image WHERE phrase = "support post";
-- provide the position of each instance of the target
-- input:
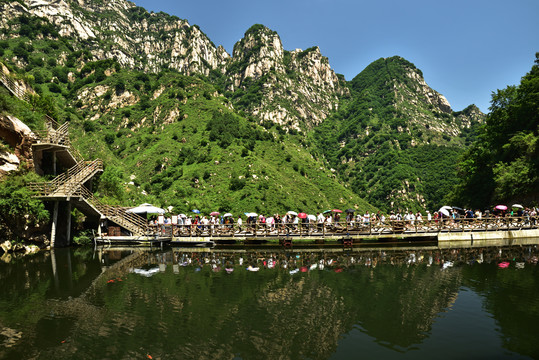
(54, 163)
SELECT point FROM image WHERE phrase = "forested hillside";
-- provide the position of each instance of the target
(395, 140)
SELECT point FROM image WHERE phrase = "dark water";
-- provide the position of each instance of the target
(180, 304)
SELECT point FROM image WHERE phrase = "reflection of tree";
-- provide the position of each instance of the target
(511, 297)
(31, 295)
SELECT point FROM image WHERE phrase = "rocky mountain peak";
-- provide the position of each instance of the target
(296, 89)
(119, 29)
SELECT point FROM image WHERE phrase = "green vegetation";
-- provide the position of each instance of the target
(386, 141)
(503, 164)
(20, 212)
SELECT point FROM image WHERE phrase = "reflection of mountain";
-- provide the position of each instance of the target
(271, 312)
(193, 309)
(398, 304)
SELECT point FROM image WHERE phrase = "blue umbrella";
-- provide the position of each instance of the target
(196, 211)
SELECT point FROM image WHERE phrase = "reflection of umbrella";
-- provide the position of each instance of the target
(251, 214)
(350, 210)
(337, 210)
(183, 216)
(227, 215)
(292, 213)
(444, 211)
(517, 206)
(214, 213)
(311, 217)
(326, 211)
(146, 209)
(302, 215)
(501, 207)
(196, 211)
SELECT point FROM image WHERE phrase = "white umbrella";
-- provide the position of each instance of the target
(311, 217)
(183, 216)
(518, 206)
(146, 209)
(251, 214)
(292, 213)
(227, 215)
(447, 207)
(444, 211)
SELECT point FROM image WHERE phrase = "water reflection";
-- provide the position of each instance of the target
(261, 303)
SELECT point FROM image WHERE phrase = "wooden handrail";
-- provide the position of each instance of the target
(354, 228)
(14, 88)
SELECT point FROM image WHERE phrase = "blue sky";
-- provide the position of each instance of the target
(466, 48)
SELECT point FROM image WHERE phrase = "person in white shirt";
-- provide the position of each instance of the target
(240, 223)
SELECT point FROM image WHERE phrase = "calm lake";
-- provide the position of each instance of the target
(271, 303)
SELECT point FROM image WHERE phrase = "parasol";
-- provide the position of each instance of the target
(146, 209)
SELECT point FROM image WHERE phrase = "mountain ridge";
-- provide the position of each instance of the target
(120, 100)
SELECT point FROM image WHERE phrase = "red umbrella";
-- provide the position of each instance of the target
(337, 210)
(215, 213)
(302, 215)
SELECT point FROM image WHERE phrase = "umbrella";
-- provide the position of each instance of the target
(311, 217)
(215, 213)
(302, 215)
(337, 210)
(517, 206)
(292, 213)
(183, 216)
(196, 211)
(457, 208)
(227, 215)
(501, 207)
(326, 211)
(350, 211)
(146, 209)
(447, 207)
(248, 214)
(444, 211)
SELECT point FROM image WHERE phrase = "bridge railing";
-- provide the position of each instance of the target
(388, 227)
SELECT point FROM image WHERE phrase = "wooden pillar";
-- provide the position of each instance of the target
(54, 163)
(54, 224)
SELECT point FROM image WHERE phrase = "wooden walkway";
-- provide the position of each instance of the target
(422, 228)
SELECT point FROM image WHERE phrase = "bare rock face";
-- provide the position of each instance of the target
(137, 39)
(19, 137)
(296, 89)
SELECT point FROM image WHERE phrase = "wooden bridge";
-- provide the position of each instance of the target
(441, 232)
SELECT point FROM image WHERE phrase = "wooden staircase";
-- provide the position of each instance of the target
(14, 88)
(70, 185)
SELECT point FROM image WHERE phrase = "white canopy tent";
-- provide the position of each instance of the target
(146, 209)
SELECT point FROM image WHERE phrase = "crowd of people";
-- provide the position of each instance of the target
(335, 219)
